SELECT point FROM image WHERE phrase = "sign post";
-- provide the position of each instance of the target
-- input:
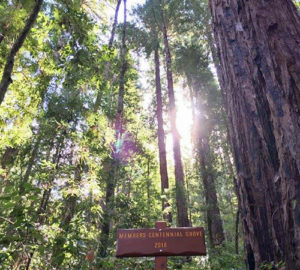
(161, 262)
(160, 243)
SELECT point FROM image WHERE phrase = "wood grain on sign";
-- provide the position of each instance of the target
(160, 242)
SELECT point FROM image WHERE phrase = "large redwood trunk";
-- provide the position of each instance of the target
(182, 213)
(161, 136)
(258, 45)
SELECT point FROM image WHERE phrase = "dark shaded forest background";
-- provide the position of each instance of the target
(117, 114)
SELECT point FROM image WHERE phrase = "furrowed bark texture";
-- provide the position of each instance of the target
(258, 46)
(6, 77)
(182, 213)
(161, 135)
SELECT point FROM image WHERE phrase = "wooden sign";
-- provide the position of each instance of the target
(160, 242)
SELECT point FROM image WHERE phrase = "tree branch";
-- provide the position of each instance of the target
(6, 77)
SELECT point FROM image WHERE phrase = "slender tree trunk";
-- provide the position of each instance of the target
(113, 31)
(6, 77)
(182, 213)
(30, 164)
(204, 157)
(189, 201)
(8, 157)
(107, 64)
(161, 137)
(120, 105)
(237, 224)
(214, 221)
(7, 160)
(107, 211)
(115, 162)
(258, 45)
(148, 185)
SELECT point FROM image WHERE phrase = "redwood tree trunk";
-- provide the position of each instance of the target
(258, 46)
(182, 213)
(161, 136)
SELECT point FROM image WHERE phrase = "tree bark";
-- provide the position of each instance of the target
(161, 136)
(182, 213)
(6, 77)
(258, 46)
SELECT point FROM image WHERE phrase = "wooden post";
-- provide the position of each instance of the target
(161, 262)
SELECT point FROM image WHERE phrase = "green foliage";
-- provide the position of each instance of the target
(272, 265)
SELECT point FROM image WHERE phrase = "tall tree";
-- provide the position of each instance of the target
(115, 161)
(192, 62)
(6, 76)
(161, 134)
(213, 216)
(181, 202)
(258, 47)
(150, 18)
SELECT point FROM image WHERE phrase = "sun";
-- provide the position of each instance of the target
(184, 122)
